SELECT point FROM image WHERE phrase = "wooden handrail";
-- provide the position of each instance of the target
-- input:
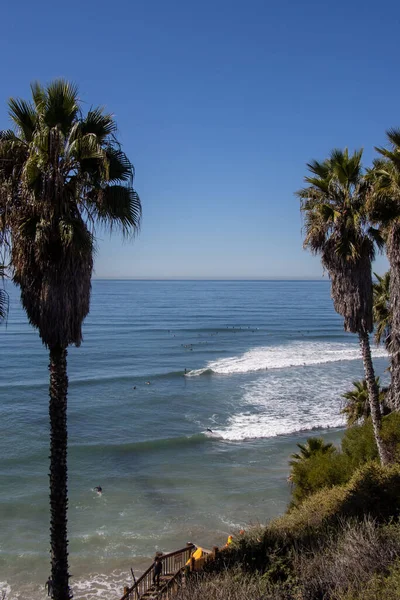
(145, 580)
(169, 583)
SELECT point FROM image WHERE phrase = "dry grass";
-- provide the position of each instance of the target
(347, 562)
(350, 564)
(232, 585)
(339, 543)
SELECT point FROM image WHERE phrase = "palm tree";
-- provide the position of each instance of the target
(3, 297)
(381, 309)
(61, 174)
(336, 227)
(384, 209)
(357, 406)
(312, 447)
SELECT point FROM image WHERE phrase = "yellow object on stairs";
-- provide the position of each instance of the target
(196, 555)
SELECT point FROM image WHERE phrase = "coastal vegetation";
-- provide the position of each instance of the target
(338, 228)
(338, 544)
(384, 210)
(357, 407)
(63, 175)
(381, 309)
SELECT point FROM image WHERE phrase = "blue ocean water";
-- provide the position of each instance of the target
(259, 363)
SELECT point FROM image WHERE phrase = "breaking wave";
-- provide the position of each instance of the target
(294, 354)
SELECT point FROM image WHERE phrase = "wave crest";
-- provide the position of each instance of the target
(294, 354)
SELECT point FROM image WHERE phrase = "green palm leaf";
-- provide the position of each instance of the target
(312, 447)
(382, 313)
(120, 167)
(24, 116)
(61, 105)
(357, 407)
(99, 123)
(117, 205)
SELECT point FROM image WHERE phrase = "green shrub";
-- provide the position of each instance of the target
(359, 445)
(318, 472)
(391, 434)
(373, 490)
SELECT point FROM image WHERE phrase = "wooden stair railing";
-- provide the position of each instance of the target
(173, 564)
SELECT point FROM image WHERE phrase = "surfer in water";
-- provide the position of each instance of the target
(210, 430)
(98, 489)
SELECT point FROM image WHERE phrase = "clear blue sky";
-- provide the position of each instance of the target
(219, 105)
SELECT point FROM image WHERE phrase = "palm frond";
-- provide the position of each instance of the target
(38, 95)
(312, 447)
(381, 309)
(7, 135)
(357, 406)
(99, 123)
(62, 106)
(120, 167)
(24, 116)
(119, 206)
(320, 169)
(393, 135)
(87, 147)
(75, 235)
(377, 236)
(13, 152)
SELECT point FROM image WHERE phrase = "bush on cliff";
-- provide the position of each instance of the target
(341, 543)
(373, 491)
(328, 469)
(358, 442)
(318, 472)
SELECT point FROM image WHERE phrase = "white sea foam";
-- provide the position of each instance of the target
(293, 354)
(95, 586)
(100, 586)
(282, 403)
(246, 427)
(5, 589)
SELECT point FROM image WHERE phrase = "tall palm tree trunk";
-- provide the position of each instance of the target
(393, 253)
(373, 396)
(58, 473)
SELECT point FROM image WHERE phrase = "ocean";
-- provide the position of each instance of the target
(260, 363)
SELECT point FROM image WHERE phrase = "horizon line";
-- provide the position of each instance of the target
(210, 279)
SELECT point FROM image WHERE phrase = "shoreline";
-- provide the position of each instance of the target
(106, 578)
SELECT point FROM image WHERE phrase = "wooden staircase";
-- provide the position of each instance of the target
(156, 591)
(173, 567)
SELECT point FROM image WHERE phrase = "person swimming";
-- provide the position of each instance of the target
(98, 489)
